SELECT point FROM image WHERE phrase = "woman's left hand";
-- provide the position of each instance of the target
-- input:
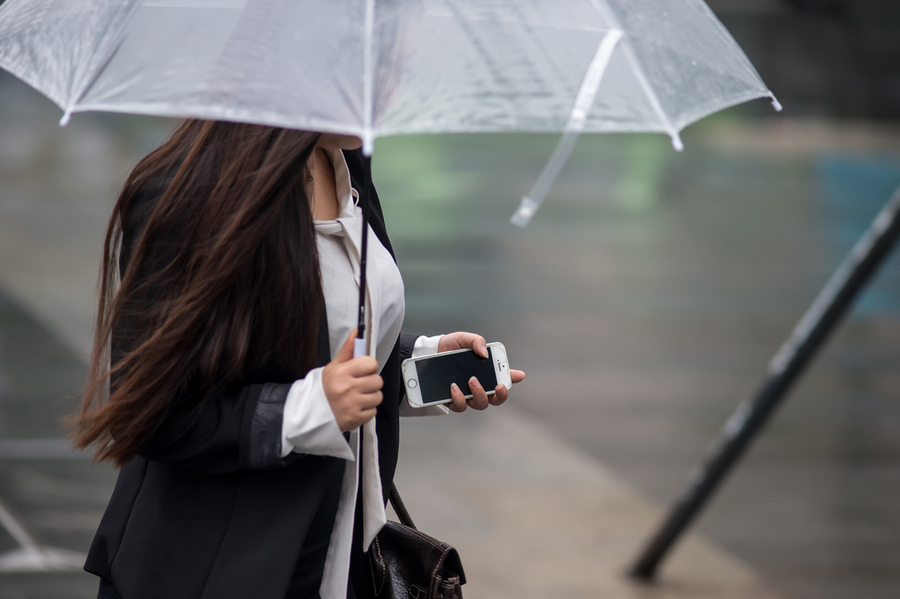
(480, 400)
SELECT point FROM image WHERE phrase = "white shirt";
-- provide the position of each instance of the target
(309, 426)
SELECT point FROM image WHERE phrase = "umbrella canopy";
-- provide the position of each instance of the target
(372, 68)
(380, 67)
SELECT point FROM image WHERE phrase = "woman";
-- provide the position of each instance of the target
(235, 405)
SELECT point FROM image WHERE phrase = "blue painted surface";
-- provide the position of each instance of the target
(854, 188)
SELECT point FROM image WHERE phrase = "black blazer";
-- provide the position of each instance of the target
(208, 509)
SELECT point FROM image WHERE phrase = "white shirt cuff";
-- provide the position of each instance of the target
(424, 346)
(309, 425)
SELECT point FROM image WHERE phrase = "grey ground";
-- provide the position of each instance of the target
(644, 302)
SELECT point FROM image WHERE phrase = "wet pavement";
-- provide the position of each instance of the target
(644, 301)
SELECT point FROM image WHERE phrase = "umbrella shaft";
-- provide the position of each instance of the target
(363, 252)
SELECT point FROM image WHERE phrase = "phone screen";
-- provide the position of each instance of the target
(437, 374)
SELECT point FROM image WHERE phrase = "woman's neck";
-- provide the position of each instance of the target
(323, 200)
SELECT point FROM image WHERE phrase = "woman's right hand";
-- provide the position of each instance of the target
(352, 387)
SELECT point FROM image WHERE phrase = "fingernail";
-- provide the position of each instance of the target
(454, 387)
(473, 382)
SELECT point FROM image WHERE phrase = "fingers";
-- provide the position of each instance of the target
(343, 388)
(501, 394)
(346, 364)
(479, 400)
(367, 401)
(480, 346)
(357, 386)
(355, 408)
(459, 400)
(346, 351)
(463, 340)
(517, 376)
(352, 386)
(359, 367)
(356, 419)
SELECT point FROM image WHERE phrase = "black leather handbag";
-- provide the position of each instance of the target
(405, 563)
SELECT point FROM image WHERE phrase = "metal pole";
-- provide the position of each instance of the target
(787, 365)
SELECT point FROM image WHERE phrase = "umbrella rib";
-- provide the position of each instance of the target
(587, 93)
(642, 79)
(652, 97)
(105, 52)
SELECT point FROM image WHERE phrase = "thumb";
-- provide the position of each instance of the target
(346, 352)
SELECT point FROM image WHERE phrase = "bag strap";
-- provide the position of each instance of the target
(400, 508)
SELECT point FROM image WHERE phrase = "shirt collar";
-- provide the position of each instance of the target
(347, 196)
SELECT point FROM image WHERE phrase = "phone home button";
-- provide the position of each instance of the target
(412, 383)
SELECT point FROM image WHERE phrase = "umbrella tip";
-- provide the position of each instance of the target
(677, 143)
(368, 142)
(65, 118)
(776, 104)
(524, 213)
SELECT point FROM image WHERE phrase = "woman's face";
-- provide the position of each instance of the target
(336, 141)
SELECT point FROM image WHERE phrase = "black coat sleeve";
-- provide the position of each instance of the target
(406, 346)
(237, 428)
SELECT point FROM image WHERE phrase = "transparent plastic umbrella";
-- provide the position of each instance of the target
(373, 68)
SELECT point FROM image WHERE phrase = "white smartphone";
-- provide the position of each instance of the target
(428, 378)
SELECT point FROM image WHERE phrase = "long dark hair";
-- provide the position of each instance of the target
(214, 240)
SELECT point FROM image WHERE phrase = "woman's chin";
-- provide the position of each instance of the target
(338, 141)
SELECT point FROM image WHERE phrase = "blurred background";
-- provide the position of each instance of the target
(644, 300)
